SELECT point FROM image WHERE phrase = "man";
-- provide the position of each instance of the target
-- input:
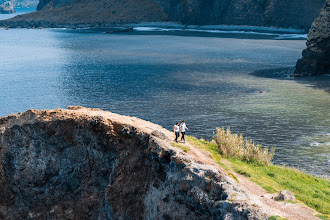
(183, 129)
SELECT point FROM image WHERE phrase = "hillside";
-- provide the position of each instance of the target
(90, 164)
(279, 13)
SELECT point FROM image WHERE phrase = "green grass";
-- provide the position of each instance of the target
(275, 217)
(323, 217)
(313, 191)
(206, 146)
(209, 147)
(181, 146)
(233, 176)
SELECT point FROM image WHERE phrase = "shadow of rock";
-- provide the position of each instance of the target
(317, 82)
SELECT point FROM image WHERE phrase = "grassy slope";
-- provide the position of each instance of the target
(313, 191)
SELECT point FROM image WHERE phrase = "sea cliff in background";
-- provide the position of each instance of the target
(279, 13)
(7, 8)
(22, 3)
(316, 57)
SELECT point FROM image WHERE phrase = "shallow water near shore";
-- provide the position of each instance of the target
(210, 81)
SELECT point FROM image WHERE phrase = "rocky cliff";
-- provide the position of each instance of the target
(90, 164)
(7, 8)
(22, 3)
(316, 57)
(280, 13)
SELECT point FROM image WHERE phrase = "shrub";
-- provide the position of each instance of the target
(235, 146)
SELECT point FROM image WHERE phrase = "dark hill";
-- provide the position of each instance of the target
(280, 13)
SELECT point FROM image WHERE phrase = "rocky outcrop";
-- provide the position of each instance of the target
(90, 164)
(22, 3)
(280, 13)
(7, 8)
(286, 195)
(316, 57)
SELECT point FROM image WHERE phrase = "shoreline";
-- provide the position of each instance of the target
(226, 31)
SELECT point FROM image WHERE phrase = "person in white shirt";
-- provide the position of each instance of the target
(183, 129)
(176, 129)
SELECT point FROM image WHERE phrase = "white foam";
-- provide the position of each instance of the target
(276, 33)
(314, 144)
(292, 36)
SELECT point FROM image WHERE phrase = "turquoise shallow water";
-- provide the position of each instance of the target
(210, 81)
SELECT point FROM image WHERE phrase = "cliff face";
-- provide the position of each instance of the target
(89, 164)
(316, 57)
(281, 13)
(54, 3)
(22, 3)
(57, 13)
(7, 8)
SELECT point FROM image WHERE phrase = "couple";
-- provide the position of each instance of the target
(180, 128)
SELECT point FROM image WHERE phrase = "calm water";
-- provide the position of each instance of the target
(208, 81)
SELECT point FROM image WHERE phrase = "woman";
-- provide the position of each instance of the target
(176, 129)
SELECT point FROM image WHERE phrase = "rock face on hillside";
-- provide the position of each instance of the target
(316, 57)
(22, 3)
(90, 164)
(7, 8)
(280, 13)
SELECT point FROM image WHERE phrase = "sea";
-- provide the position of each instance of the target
(235, 77)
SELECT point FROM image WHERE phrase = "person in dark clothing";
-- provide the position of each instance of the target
(176, 129)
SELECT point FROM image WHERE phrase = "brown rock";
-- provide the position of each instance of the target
(90, 164)
(316, 57)
(286, 195)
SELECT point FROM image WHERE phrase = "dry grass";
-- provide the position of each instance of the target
(235, 146)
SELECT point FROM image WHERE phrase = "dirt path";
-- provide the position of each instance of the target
(259, 196)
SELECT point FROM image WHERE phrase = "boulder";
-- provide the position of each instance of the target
(286, 195)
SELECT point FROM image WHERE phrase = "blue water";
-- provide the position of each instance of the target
(208, 80)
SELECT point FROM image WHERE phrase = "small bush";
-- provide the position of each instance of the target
(235, 146)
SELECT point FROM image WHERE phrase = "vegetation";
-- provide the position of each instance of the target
(235, 146)
(323, 217)
(209, 147)
(313, 191)
(181, 146)
(277, 218)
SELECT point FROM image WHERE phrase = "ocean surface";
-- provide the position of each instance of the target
(210, 79)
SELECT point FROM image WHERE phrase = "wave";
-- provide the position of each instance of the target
(278, 34)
